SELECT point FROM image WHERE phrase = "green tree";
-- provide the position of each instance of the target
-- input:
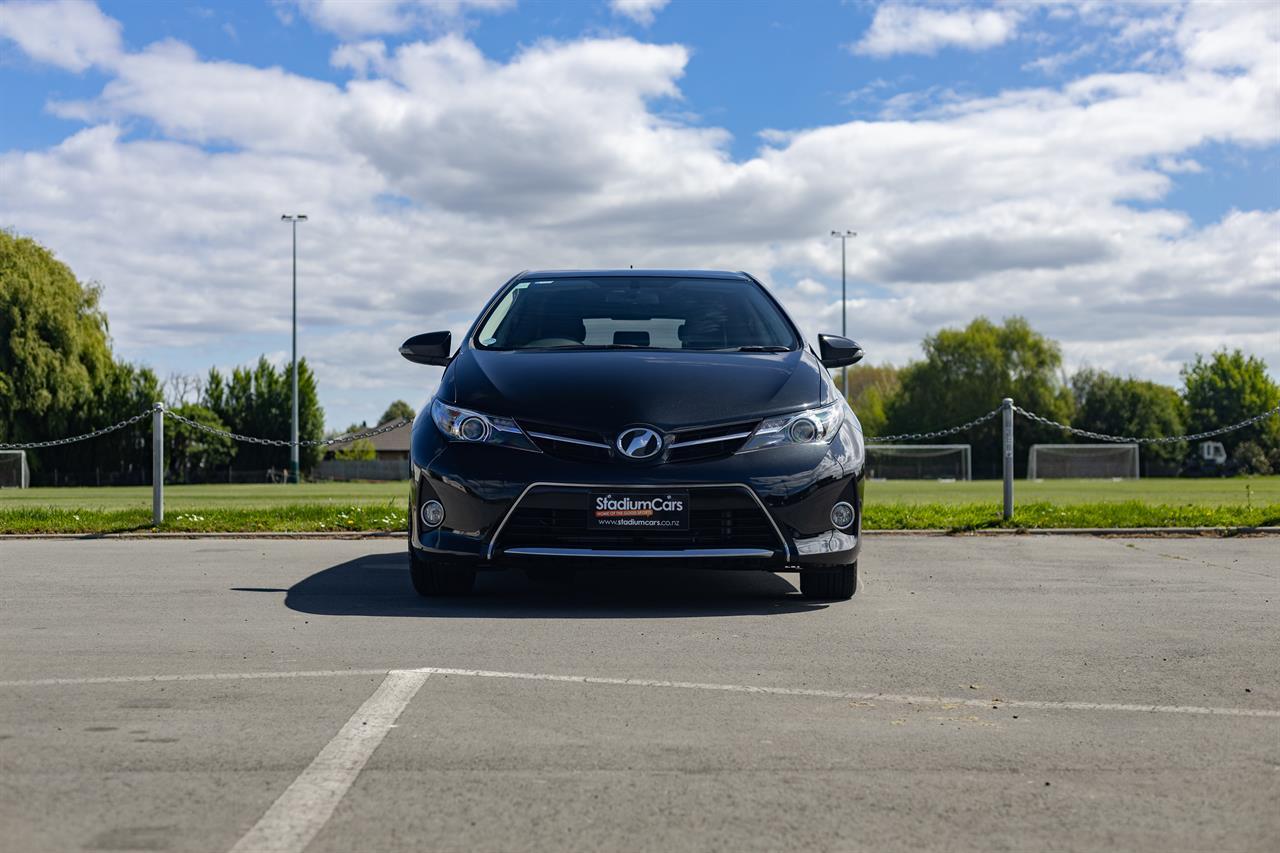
(397, 411)
(871, 387)
(58, 376)
(361, 449)
(1229, 387)
(193, 454)
(1114, 405)
(257, 401)
(966, 372)
(54, 350)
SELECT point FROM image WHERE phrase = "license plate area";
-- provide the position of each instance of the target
(638, 511)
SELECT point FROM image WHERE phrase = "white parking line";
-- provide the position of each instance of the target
(199, 676)
(887, 698)
(307, 804)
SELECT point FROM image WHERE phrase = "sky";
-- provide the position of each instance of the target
(1111, 172)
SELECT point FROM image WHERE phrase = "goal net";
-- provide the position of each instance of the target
(1082, 460)
(919, 462)
(13, 469)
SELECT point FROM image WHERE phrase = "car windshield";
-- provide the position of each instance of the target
(641, 312)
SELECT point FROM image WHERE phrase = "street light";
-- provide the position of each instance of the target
(844, 314)
(294, 218)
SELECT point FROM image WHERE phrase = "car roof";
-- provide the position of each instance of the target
(630, 273)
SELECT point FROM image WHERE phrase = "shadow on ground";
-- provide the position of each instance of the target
(378, 585)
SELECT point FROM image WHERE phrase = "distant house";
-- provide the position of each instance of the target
(394, 444)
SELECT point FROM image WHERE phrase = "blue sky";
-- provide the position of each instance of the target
(1111, 172)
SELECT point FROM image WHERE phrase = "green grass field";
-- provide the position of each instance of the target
(896, 505)
(1165, 490)
(252, 496)
(1171, 490)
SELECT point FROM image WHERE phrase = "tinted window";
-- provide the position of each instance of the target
(642, 312)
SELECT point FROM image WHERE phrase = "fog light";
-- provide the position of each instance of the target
(473, 429)
(432, 513)
(842, 515)
(804, 431)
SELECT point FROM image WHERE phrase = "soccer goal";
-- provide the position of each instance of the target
(919, 462)
(1112, 461)
(13, 469)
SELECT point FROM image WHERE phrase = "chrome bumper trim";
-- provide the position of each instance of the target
(782, 540)
(633, 554)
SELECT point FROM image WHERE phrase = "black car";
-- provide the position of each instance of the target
(600, 418)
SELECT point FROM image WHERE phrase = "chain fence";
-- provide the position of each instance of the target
(284, 442)
(58, 442)
(938, 433)
(1097, 436)
(404, 422)
(1007, 408)
(1129, 439)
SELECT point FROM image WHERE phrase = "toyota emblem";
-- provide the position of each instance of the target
(639, 443)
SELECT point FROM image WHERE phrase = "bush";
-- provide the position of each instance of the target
(1251, 458)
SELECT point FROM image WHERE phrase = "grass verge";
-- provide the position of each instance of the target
(390, 516)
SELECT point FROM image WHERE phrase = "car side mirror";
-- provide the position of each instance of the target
(428, 348)
(835, 351)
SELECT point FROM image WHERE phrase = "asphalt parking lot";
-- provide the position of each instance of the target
(1008, 693)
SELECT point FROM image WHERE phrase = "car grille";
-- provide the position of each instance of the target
(709, 442)
(578, 444)
(687, 445)
(557, 517)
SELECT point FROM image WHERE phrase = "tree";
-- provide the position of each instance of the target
(1125, 406)
(193, 454)
(257, 401)
(361, 449)
(397, 411)
(1227, 388)
(870, 389)
(54, 351)
(58, 376)
(966, 372)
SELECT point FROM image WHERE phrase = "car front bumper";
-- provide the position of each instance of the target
(768, 509)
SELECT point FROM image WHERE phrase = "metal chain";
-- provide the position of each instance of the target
(355, 436)
(1128, 439)
(937, 433)
(284, 442)
(58, 442)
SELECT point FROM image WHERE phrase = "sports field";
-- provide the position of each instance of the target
(895, 505)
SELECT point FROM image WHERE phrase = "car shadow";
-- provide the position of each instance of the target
(378, 585)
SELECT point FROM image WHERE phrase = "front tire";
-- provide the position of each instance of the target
(837, 584)
(434, 577)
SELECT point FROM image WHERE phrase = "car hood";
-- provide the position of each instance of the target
(606, 390)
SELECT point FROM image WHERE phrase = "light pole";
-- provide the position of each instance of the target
(294, 218)
(844, 313)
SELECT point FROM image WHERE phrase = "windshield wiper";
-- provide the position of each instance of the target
(764, 349)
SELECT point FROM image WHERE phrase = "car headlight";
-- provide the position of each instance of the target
(464, 425)
(812, 426)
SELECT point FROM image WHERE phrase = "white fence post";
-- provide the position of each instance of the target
(157, 464)
(1006, 407)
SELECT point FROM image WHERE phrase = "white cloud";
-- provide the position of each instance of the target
(439, 171)
(640, 11)
(372, 17)
(71, 34)
(910, 28)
